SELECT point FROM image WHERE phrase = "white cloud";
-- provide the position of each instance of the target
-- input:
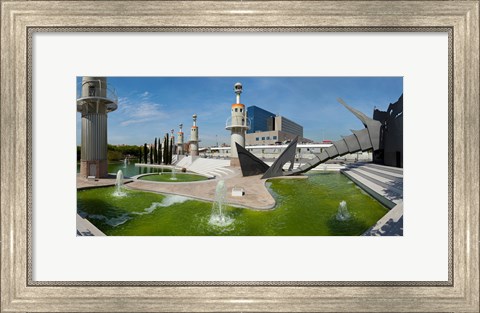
(134, 121)
(140, 110)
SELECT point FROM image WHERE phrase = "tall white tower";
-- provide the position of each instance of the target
(238, 124)
(180, 140)
(194, 137)
(95, 101)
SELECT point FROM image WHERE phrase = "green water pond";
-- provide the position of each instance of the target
(178, 178)
(305, 207)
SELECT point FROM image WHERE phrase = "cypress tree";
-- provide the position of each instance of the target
(145, 153)
(168, 150)
(151, 154)
(171, 150)
(155, 152)
(159, 152)
(165, 149)
(140, 154)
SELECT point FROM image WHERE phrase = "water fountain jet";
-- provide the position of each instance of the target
(342, 213)
(173, 174)
(119, 190)
(218, 216)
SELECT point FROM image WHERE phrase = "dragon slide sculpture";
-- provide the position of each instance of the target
(361, 140)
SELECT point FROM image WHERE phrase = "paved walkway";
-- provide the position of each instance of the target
(256, 195)
(84, 183)
(391, 224)
(85, 228)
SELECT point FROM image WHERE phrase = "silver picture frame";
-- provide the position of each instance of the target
(20, 20)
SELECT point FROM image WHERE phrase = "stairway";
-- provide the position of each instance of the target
(382, 182)
(208, 167)
(385, 184)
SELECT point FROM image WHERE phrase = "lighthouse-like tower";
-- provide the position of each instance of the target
(180, 140)
(95, 101)
(194, 137)
(238, 124)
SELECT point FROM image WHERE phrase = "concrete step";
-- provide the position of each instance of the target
(217, 173)
(388, 187)
(376, 191)
(222, 171)
(396, 185)
(185, 162)
(396, 170)
(379, 172)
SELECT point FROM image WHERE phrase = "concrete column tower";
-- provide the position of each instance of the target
(194, 137)
(238, 124)
(95, 101)
(180, 140)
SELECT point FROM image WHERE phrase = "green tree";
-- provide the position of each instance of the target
(121, 152)
(170, 154)
(151, 153)
(113, 155)
(145, 153)
(155, 159)
(159, 152)
(165, 149)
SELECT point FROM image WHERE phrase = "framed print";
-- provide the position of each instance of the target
(172, 250)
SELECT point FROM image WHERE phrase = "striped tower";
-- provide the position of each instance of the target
(94, 103)
(194, 137)
(238, 125)
(180, 140)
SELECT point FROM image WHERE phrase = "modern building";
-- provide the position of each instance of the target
(95, 101)
(303, 152)
(268, 128)
(259, 119)
(288, 126)
(391, 134)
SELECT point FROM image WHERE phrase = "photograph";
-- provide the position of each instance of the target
(239, 156)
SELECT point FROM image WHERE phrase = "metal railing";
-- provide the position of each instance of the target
(111, 93)
(246, 123)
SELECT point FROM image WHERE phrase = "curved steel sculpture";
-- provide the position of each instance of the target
(360, 140)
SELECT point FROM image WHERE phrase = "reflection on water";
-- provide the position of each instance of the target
(129, 169)
(306, 207)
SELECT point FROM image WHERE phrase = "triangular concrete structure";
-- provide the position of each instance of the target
(250, 164)
(287, 156)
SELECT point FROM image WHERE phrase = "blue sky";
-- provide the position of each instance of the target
(148, 107)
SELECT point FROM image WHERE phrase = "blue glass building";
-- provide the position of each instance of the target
(259, 119)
